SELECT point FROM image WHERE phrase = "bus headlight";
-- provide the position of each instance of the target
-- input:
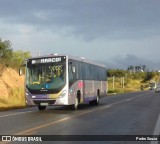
(63, 94)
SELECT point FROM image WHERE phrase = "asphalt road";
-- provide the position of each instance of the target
(136, 113)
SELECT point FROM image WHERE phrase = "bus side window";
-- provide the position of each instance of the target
(75, 72)
(71, 75)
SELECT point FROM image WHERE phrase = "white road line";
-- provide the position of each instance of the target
(157, 127)
(15, 114)
(140, 95)
(156, 130)
(129, 99)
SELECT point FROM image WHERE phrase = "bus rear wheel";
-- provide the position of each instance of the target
(41, 107)
(97, 98)
(94, 102)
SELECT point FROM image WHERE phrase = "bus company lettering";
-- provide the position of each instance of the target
(80, 84)
(48, 60)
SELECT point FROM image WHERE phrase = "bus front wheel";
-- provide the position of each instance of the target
(75, 105)
(77, 101)
(41, 107)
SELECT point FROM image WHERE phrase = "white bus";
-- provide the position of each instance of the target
(152, 85)
(63, 80)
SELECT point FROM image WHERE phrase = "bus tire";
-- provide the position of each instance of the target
(77, 101)
(91, 103)
(97, 100)
(75, 105)
(41, 107)
(97, 97)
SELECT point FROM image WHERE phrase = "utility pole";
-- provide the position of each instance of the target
(113, 81)
(123, 82)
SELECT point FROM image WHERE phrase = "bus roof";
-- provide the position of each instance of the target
(71, 57)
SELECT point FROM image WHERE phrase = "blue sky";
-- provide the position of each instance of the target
(117, 33)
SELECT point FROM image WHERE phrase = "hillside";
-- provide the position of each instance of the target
(130, 84)
(11, 88)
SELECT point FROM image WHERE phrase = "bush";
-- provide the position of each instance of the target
(18, 58)
(116, 73)
(10, 58)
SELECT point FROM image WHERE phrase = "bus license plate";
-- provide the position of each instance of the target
(44, 104)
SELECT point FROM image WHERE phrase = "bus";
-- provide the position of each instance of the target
(152, 85)
(63, 80)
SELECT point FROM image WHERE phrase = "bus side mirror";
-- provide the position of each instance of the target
(20, 71)
(73, 69)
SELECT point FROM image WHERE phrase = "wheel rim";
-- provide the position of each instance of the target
(76, 103)
(97, 99)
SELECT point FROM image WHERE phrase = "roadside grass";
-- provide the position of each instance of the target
(15, 99)
(129, 85)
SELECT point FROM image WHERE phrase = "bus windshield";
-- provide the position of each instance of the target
(46, 76)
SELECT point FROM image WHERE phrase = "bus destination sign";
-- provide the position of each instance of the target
(47, 60)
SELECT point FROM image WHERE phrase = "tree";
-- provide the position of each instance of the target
(131, 69)
(5, 54)
(144, 67)
(116, 73)
(5, 49)
(10, 58)
(19, 56)
(138, 68)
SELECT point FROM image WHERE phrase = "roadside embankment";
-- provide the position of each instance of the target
(11, 89)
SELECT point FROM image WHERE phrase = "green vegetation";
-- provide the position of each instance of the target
(10, 59)
(120, 81)
(16, 99)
